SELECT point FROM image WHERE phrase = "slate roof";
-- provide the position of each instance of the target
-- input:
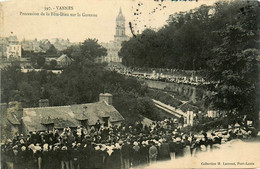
(69, 116)
(47, 120)
(62, 57)
(12, 38)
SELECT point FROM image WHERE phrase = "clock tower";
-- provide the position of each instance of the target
(120, 28)
(113, 47)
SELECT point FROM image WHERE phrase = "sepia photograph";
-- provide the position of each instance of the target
(129, 84)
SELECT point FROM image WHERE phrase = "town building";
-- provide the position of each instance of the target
(35, 45)
(27, 45)
(43, 45)
(16, 119)
(62, 61)
(113, 47)
(14, 51)
(11, 48)
(61, 44)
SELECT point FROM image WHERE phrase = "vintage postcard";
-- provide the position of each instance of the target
(120, 84)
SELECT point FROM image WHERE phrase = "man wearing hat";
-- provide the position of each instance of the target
(172, 146)
(179, 148)
(164, 150)
(97, 125)
(55, 157)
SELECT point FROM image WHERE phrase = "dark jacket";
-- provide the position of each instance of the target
(164, 151)
(126, 151)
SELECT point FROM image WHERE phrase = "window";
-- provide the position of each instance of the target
(105, 119)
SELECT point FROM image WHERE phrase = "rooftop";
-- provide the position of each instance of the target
(69, 116)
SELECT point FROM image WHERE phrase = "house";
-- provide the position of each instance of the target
(45, 117)
(11, 48)
(63, 61)
(14, 51)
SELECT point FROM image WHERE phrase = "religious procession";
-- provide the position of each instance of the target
(114, 147)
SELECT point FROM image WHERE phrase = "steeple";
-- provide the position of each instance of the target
(120, 15)
(120, 27)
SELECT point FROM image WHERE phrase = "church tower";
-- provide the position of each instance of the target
(113, 47)
(120, 28)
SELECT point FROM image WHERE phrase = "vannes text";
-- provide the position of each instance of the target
(59, 8)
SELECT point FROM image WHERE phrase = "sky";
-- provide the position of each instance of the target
(77, 29)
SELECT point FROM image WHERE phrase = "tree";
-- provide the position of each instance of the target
(53, 64)
(40, 61)
(29, 94)
(235, 65)
(10, 78)
(90, 49)
(146, 107)
(73, 52)
(180, 44)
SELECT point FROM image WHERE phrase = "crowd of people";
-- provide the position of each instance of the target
(113, 147)
(172, 75)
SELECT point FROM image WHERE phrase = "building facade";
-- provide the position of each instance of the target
(16, 119)
(113, 47)
(62, 61)
(11, 48)
(14, 51)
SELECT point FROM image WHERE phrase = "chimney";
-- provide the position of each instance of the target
(44, 103)
(107, 97)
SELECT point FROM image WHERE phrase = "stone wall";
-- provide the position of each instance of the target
(193, 93)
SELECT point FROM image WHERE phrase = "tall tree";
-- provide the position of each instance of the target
(235, 64)
(90, 49)
(40, 61)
